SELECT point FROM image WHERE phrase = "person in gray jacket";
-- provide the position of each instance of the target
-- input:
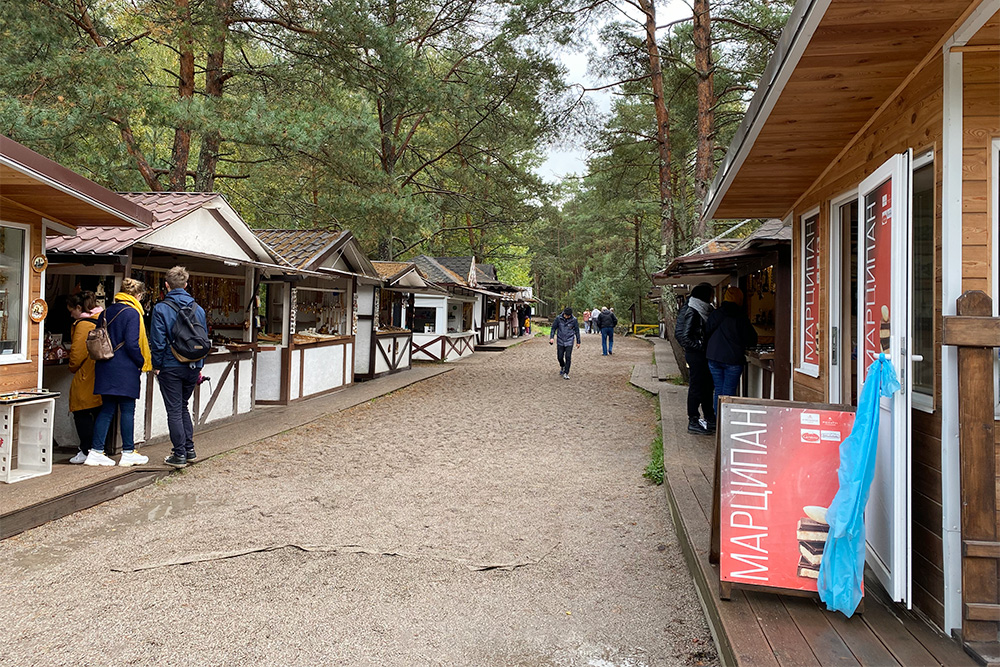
(565, 329)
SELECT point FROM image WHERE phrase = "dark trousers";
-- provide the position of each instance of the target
(700, 387)
(126, 407)
(176, 386)
(564, 353)
(85, 421)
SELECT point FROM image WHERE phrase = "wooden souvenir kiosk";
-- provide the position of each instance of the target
(443, 325)
(201, 232)
(309, 315)
(893, 193)
(389, 308)
(38, 198)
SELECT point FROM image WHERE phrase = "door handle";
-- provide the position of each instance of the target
(916, 357)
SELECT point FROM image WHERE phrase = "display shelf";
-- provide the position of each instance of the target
(26, 439)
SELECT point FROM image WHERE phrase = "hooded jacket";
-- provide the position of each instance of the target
(690, 329)
(566, 331)
(162, 328)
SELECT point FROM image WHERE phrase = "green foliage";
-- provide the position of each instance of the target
(654, 470)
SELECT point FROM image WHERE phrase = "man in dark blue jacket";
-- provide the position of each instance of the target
(565, 329)
(177, 378)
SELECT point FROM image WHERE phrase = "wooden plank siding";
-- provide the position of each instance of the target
(913, 120)
(981, 124)
(24, 376)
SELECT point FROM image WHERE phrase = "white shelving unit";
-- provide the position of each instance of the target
(26, 439)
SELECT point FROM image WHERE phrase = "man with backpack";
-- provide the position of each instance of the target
(179, 342)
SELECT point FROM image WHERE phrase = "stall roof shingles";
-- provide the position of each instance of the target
(390, 269)
(437, 273)
(298, 246)
(165, 206)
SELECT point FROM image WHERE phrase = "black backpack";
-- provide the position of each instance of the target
(189, 339)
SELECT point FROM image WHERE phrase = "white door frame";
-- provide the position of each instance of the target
(891, 489)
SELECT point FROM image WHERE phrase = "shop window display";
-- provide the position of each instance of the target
(13, 288)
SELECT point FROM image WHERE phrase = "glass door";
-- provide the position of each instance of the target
(884, 289)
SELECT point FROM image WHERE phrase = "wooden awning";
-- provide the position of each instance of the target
(38, 184)
(837, 63)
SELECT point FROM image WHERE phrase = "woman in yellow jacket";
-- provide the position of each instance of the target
(83, 403)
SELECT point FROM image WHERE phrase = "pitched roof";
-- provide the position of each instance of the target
(299, 247)
(391, 269)
(459, 265)
(166, 207)
(436, 272)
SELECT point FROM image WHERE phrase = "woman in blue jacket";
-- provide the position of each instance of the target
(117, 379)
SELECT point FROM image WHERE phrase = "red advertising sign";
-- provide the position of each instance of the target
(777, 475)
(810, 290)
(877, 274)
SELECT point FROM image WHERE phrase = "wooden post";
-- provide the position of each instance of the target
(975, 332)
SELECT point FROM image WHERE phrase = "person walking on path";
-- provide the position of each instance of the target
(606, 323)
(83, 402)
(117, 379)
(594, 314)
(178, 315)
(565, 329)
(729, 333)
(690, 333)
(586, 321)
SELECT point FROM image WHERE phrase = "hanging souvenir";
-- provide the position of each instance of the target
(39, 263)
(37, 310)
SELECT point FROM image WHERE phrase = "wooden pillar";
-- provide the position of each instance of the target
(976, 333)
(783, 324)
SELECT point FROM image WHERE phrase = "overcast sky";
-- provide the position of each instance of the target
(565, 160)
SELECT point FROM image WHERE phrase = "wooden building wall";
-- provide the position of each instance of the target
(981, 125)
(914, 119)
(24, 376)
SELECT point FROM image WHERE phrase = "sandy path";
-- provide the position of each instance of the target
(498, 461)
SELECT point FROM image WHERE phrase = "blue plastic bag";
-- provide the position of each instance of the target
(842, 569)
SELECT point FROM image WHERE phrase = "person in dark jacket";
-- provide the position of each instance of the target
(729, 334)
(177, 378)
(565, 329)
(117, 379)
(607, 322)
(690, 333)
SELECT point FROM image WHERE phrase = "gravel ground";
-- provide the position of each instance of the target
(499, 462)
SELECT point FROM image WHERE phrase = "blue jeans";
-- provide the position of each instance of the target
(176, 386)
(607, 339)
(126, 406)
(727, 380)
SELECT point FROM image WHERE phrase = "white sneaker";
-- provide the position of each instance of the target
(96, 458)
(79, 458)
(133, 459)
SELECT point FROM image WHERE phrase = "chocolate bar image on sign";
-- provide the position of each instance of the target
(812, 551)
(807, 569)
(811, 531)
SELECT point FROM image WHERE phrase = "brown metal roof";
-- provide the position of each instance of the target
(299, 247)
(38, 183)
(165, 207)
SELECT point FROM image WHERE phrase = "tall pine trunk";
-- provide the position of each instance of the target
(706, 107)
(667, 221)
(215, 78)
(185, 91)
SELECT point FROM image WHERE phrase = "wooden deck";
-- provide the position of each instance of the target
(760, 629)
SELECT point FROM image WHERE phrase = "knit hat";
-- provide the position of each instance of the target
(734, 294)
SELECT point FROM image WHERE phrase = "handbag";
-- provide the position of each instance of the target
(99, 347)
